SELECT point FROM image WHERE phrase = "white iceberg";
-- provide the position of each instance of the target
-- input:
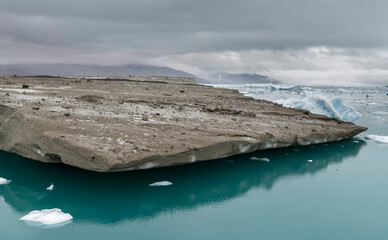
(51, 187)
(377, 138)
(260, 159)
(162, 183)
(316, 102)
(47, 217)
(4, 181)
(310, 160)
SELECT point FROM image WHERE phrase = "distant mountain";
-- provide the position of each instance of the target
(228, 78)
(93, 70)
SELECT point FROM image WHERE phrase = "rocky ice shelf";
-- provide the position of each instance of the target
(132, 123)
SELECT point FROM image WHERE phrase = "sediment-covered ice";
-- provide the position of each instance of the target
(47, 216)
(4, 181)
(318, 103)
(377, 138)
(162, 183)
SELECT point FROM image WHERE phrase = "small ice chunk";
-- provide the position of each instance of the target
(162, 183)
(260, 159)
(51, 187)
(310, 160)
(376, 138)
(355, 141)
(47, 216)
(4, 181)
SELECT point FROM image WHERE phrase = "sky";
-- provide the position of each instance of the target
(294, 41)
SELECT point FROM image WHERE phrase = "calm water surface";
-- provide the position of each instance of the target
(342, 194)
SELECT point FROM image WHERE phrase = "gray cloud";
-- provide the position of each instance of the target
(145, 31)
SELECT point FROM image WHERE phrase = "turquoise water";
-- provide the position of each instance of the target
(342, 194)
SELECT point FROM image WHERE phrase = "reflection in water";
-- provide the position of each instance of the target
(112, 197)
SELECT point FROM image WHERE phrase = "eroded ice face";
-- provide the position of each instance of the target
(318, 103)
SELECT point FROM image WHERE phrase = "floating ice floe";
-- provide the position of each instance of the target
(259, 159)
(310, 160)
(47, 217)
(380, 113)
(51, 187)
(162, 183)
(377, 138)
(316, 102)
(4, 181)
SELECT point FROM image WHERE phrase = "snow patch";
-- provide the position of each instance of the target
(318, 103)
(162, 183)
(47, 217)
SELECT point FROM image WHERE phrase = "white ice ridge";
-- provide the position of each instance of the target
(163, 183)
(259, 159)
(4, 181)
(51, 187)
(318, 103)
(377, 138)
(47, 216)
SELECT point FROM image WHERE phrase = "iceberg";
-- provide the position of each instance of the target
(47, 217)
(260, 159)
(163, 183)
(377, 138)
(318, 103)
(51, 187)
(4, 181)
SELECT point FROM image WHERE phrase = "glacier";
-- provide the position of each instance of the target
(316, 102)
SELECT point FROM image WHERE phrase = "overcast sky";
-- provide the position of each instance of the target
(307, 41)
